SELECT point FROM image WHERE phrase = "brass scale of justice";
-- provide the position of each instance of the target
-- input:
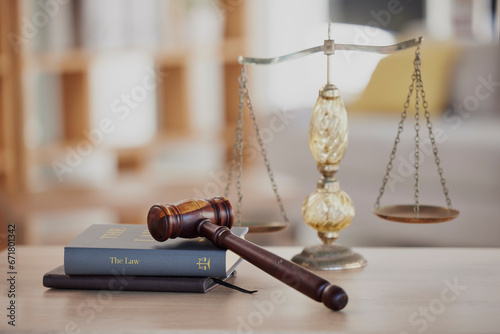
(329, 209)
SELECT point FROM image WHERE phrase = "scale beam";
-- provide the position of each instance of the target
(328, 48)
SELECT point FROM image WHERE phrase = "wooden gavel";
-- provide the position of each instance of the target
(212, 219)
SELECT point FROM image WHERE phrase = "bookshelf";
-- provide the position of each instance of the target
(71, 66)
(14, 159)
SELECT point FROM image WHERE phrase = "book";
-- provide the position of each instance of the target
(130, 250)
(58, 279)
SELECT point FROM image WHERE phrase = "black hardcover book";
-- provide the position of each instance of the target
(58, 279)
(130, 250)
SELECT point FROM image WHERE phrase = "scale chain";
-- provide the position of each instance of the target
(396, 142)
(244, 97)
(237, 154)
(433, 140)
(417, 86)
(266, 159)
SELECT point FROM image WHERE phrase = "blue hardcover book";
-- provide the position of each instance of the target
(130, 250)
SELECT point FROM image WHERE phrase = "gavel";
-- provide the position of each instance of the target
(212, 219)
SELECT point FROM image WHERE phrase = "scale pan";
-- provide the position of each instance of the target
(254, 227)
(405, 214)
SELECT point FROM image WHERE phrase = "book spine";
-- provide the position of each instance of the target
(139, 262)
(129, 283)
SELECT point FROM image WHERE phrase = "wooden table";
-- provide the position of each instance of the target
(402, 290)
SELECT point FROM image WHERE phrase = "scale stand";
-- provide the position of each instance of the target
(328, 209)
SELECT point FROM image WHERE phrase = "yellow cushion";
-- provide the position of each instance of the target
(389, 85)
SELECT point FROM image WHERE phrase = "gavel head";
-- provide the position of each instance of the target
(181, 219)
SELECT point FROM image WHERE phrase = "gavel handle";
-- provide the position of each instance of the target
(287, 272)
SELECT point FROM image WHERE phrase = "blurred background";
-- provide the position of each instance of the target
(108, 107)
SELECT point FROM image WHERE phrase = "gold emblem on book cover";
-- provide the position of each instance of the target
(203, 263)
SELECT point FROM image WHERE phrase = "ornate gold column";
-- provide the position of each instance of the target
(328, 209)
